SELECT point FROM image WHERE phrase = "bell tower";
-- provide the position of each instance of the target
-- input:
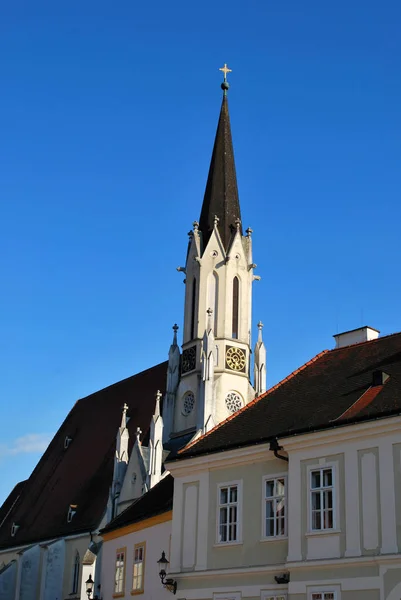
(214, 375)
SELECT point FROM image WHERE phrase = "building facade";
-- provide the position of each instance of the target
(297, 497)
(133, 543)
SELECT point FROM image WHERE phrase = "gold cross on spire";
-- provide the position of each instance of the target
(225, 70)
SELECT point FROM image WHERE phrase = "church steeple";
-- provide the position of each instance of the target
(212, 379)
(221, 194)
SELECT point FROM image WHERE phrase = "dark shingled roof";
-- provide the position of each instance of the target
(318, 395)
(221, 194)
(158, 500)
(11, 500)
(82, 473)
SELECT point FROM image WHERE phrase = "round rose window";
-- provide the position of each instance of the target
(233, 402)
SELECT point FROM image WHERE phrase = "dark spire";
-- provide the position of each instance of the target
(221, 194)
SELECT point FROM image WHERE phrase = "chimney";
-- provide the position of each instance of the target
(356, 336)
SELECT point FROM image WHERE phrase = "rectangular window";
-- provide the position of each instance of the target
(228, 513)
(322, 501)
(119, 579)
(276, 597)
(323, 596)
(274, 507)
(138, 572)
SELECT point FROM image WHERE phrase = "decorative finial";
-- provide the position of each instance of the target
(175, 329)
(209, 318)
(224, 85)
(260, 327)
(124, 417)
(157, 407)
(195, 225)
(249, 232)
(138, 434)
(238, 223)
(216, 220)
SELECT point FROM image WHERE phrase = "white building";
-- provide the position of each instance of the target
(297, 497)
(134, 542)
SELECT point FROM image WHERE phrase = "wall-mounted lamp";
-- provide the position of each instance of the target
(89, 586)
(284, 578)
(168, 583)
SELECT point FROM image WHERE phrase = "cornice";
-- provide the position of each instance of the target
(239, 456)
(261, 452)
(133, 527)
(343, 433)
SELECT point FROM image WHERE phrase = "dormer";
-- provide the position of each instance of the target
(72, 509)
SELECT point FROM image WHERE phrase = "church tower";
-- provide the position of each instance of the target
(211, 379)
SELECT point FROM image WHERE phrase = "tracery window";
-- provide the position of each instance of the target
(75, 573)
(235, 319)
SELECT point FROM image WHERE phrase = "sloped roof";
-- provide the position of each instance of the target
(11, 500)
(332, 389)
(82, 473)
(158, 500)
(221, 193)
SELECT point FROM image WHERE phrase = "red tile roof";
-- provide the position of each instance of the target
(82, 473)
(315, 396)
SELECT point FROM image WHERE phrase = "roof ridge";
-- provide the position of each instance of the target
(121, 381)
(378, 339)
(255, 400)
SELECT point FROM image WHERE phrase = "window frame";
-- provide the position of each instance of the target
(321, 466)
(238, 539)
(273, 595)
(122, 550)
(136, 591)
(266, 478)
(326, 589)
(227, 596)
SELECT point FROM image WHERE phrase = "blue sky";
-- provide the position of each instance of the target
(107, 117)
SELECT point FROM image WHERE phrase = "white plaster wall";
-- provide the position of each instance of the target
(132, 489)
(53, 571)
(363, 334)
(157, 539)
(188, 383)
(370, 513)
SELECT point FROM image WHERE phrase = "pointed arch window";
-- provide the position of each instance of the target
(193, 306)
(75, 573)
(213, 283)
(235, 322)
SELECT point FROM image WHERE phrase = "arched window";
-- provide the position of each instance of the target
(235, 307)
(75, 574)
(213, 281)
(193, 306)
